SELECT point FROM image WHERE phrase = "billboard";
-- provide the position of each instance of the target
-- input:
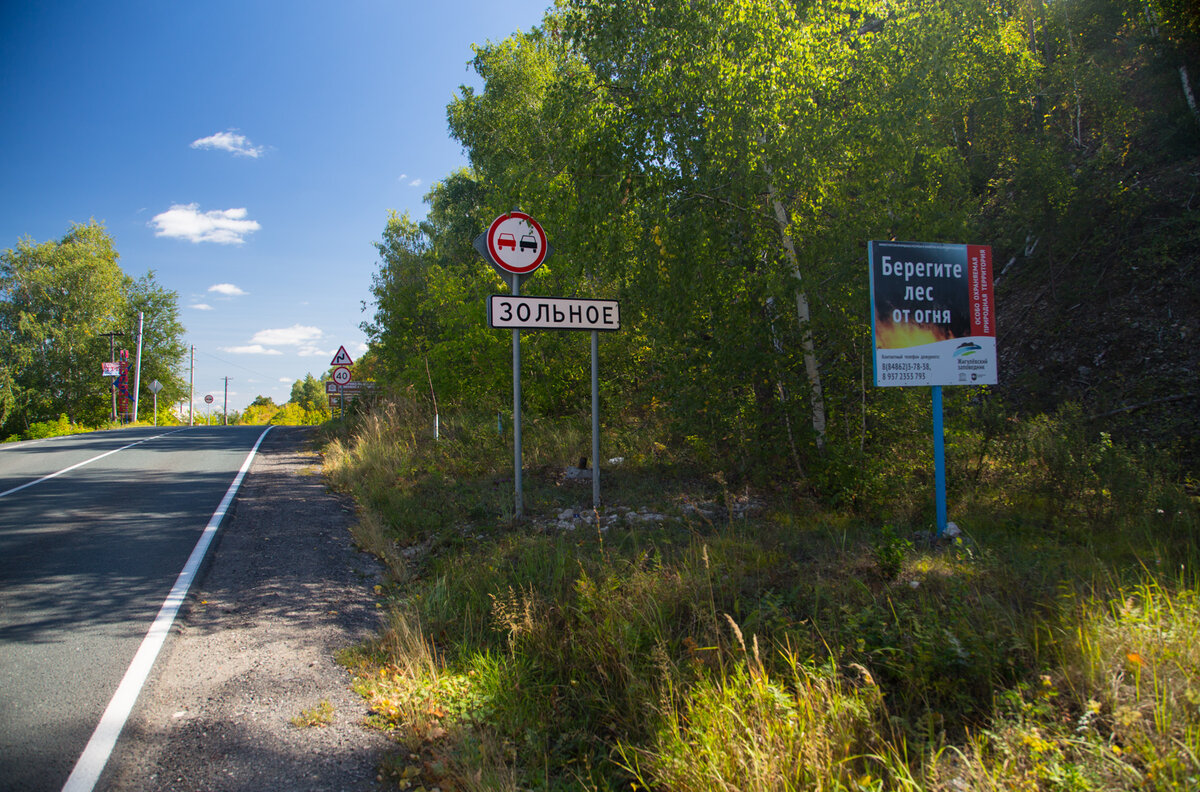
(933, 318)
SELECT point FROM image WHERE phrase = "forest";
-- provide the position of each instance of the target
(720, 167)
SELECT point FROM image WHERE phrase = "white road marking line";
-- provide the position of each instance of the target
(100, 747)
(86, 462)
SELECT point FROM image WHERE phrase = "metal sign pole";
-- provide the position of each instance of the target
(595, 419)
(939, 460)
(516, 346)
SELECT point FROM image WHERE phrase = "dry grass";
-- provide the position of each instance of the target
(804, 650)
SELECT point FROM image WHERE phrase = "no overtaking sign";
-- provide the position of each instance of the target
(516, 243)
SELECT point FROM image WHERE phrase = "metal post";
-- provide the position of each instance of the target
(156, 408)
(519, 496)
(192, 390)
(112, 357)
(939, 460)
(595, 419)
(225, 409)
(137, 370)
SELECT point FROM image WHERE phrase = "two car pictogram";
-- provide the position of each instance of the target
(510, 242)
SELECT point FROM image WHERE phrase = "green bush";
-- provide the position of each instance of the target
(45, 429)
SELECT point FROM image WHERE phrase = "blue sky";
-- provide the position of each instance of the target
(246, 152)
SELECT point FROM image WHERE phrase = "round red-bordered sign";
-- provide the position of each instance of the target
(341, 375)
(517, 243)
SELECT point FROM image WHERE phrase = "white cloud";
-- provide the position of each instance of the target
(296, 335)
(229, 141)
(312, 351)
(415, 183)
(403, 176)
(252, 349)
(265, 341)
(228, 289)
(286, 380)
(201, 307)
(186, 221)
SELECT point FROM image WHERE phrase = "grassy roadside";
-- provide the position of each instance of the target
(695, 635)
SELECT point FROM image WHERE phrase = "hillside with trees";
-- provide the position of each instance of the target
(760, 602)
(719, 168)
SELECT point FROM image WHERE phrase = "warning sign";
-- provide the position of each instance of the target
(933, 314)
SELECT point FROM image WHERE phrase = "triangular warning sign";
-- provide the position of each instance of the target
(341, 358)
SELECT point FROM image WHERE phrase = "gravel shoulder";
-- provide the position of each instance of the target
(255, 644)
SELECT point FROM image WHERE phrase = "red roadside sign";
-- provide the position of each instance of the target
(517, 243)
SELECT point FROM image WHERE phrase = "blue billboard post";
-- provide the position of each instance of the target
(939, 460)
(933, 323)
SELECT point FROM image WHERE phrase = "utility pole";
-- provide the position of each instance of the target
(137, 375)
(192, 389)
(225, 410)
(112, 356)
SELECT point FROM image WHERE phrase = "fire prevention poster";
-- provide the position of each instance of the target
(933, 318)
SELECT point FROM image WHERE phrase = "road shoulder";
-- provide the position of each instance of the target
(255, 645)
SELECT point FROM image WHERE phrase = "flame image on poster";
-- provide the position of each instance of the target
(932, 314)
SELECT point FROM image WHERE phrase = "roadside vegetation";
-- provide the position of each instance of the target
(750, 635)
(761, 604)
(307, 406)
(63, 426)
(302, 409)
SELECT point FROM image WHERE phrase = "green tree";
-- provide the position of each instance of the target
(309, 394)
(430, 322)
(163, 349)
(260, 411)
(55, 300)
(689, 156)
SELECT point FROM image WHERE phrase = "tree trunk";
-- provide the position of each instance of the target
(811, 367)
(1188, 93)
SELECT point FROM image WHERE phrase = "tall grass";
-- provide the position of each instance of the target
(743, 729)
(1051, 647)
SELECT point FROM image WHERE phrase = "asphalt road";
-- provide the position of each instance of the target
(86, 560)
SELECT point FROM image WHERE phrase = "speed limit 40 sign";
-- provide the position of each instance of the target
(341, 375)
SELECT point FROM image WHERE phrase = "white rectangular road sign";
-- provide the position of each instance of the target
(552, 313)
(355, 386)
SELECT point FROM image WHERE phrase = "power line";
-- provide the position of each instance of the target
(235, 365)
